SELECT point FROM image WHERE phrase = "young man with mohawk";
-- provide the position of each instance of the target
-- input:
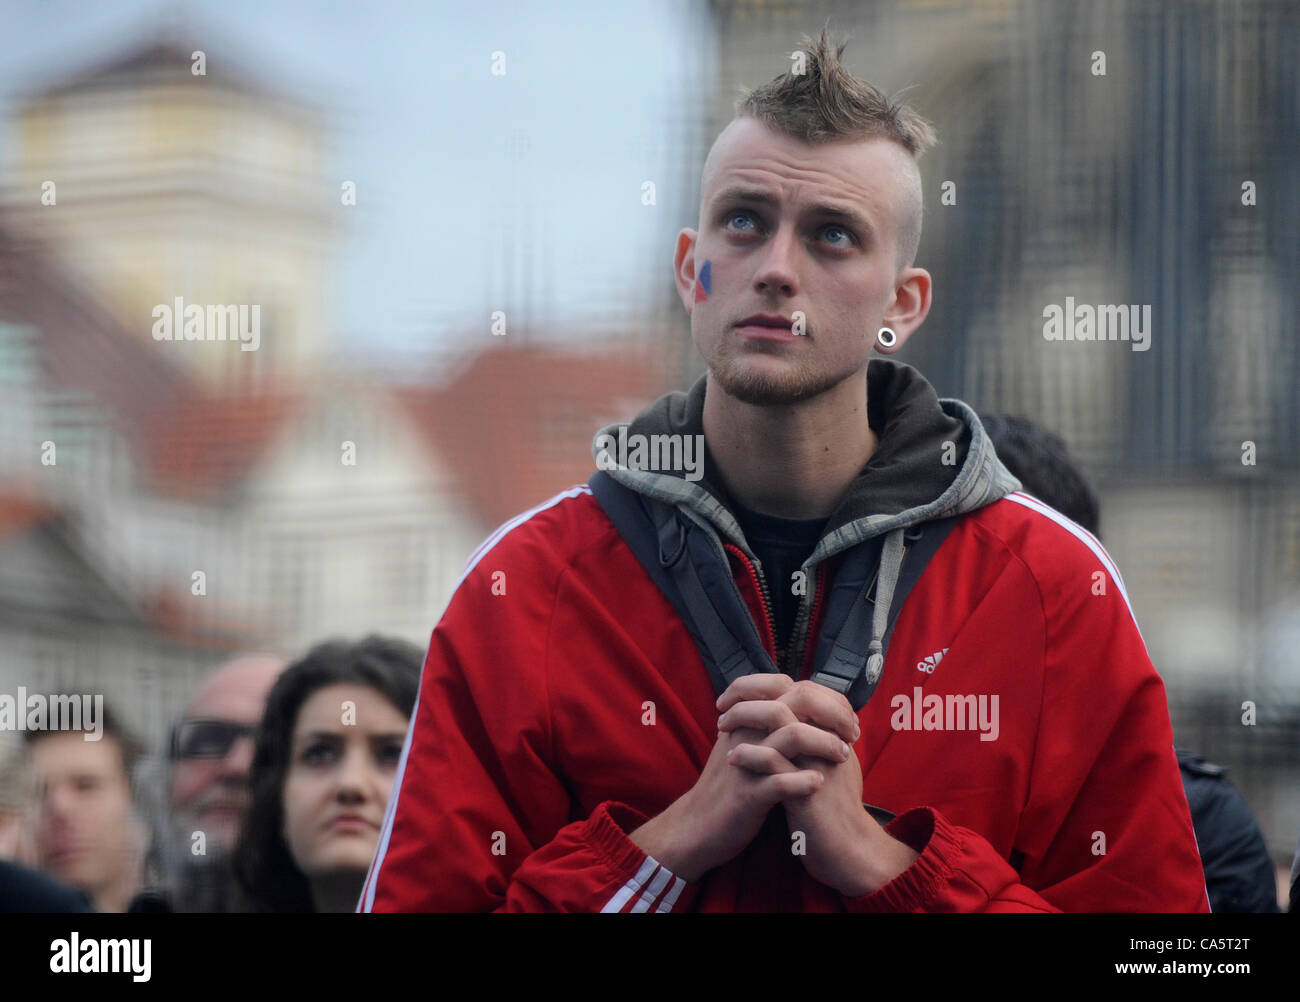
(700, 708)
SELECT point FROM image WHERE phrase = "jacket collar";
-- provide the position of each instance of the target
(933, 460)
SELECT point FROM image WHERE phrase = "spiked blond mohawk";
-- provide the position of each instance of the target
(826, 103)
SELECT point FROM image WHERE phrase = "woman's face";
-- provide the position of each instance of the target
(343, 759)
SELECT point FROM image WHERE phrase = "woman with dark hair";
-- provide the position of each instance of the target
(324, 764)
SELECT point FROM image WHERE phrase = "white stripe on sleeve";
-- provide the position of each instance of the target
(624, 895)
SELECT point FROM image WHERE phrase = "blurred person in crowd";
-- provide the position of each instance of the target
(22, 889)
(1239, 874)
(1045, 468)
(26, 891)
(208, 756)
(88, 833)
(17, 787)
(326, 756)
(1295, 882)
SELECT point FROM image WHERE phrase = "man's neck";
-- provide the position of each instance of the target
(790, 461)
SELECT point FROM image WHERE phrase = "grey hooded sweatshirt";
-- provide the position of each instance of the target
(933, 460)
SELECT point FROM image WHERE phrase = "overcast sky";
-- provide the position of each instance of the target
(419, 120)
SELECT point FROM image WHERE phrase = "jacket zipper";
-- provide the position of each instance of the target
(819, 581)
(757, 576)
(799, 649)
(808, 606)
(802, 620)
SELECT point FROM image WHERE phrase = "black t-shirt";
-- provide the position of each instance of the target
(781, 545)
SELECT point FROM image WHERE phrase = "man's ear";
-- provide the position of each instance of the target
(684, 267)
(910, 306)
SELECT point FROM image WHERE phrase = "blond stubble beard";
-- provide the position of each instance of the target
(801, 381)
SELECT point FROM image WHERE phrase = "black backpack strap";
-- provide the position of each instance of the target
(693, 575)
(847, 610)
(845, 641)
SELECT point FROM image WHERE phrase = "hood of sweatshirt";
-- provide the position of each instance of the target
(933, 459)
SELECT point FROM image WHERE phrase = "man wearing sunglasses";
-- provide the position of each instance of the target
(209, 753)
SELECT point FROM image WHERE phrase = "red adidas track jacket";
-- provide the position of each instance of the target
(563, 704)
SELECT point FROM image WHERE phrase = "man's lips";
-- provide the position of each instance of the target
(64, 852)
(222, 810)
(758, 332)
(767, 327)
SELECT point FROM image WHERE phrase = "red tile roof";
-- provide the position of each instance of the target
(207, 444)
(516, 424)
(169, 614)
(189, 443)
(80, 346)
(21, 509)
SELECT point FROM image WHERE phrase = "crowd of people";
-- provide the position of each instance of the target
(271, 790)
(268, 796)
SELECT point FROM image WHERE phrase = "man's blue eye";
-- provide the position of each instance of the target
(841, 229)
(739, 215)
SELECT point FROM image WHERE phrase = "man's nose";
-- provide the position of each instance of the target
(239, 759)
(776, 271)
(58, 803)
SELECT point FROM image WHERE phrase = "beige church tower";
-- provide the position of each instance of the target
(166, 172)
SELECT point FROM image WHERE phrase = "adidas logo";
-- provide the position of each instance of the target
(928, 665)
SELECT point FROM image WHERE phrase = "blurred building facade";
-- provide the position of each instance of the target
(178, 176)
(166, 505)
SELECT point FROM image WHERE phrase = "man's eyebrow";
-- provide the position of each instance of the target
(761, 196)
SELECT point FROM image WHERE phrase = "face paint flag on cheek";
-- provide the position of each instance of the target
(702, 284)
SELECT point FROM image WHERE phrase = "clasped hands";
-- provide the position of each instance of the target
(801, 733)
